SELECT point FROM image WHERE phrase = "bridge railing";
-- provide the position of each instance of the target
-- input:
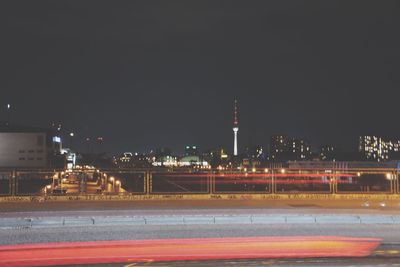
(5, 183)
(260, 181)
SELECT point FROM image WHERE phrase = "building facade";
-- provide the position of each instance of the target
(24, 147)
(283, 148)
(376, 148)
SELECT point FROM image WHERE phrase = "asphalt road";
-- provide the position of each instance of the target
(388, 254)
(346, 206)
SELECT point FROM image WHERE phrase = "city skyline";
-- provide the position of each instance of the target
(144, 76)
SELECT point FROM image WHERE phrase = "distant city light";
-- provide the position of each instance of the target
(71, 134)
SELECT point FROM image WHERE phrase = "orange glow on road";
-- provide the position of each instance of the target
(185, 249)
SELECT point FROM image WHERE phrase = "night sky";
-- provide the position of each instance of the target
(145, 74)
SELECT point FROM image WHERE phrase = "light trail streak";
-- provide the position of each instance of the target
(262, 181)
(248, 175)
(185, 250)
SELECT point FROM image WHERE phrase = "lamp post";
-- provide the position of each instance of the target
(71, 136)
(8, 106)
(118, 183)
(112, 180)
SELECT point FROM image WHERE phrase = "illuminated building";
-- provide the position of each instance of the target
(235, 130)
(278, 147)
(216, 157)
(166, 161)
(192, 161)
(254, 156)
(132, 160)
(377, 149)
(283, 148)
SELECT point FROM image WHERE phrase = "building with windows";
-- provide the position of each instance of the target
(283, 148)
(29, 147)
(132, 160)
(375, 148)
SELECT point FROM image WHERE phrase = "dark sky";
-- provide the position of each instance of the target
(148, 73)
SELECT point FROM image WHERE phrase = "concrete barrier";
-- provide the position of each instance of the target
(303, 219)
(268, 219)
(78, 221)
(48, 222)
(163, 220)
(232, 219)
(382, 219)
(338, 219)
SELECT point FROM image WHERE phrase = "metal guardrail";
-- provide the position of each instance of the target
(192, 182)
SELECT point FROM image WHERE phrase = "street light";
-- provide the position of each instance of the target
(118, 183)
(48, 187)
(8, 113)
(112, 180)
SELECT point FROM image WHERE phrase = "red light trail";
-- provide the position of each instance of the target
(264, 175)
(184, 250)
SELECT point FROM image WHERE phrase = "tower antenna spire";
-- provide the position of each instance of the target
(235, 129)
(235, 119)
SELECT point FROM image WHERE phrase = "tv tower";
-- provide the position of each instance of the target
(235, 130)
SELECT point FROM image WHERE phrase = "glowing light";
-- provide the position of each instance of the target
(266, 170)
(186, 249)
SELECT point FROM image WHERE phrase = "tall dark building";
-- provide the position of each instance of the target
(278, 147)
(191, 150)
(283, 148)
(327, 152)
